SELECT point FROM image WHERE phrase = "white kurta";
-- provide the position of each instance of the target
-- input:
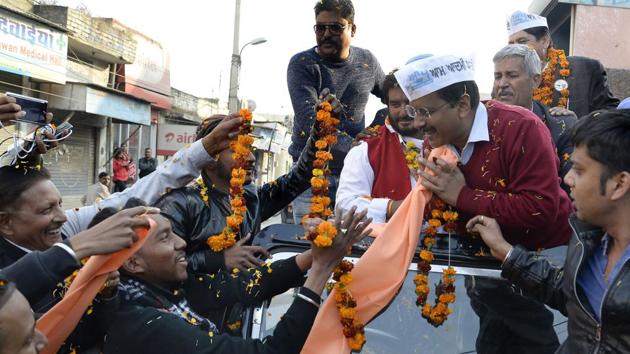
(356, 181)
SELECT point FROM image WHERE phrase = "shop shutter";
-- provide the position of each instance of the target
(72, 165)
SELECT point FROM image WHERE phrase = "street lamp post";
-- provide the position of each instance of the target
(236, 59)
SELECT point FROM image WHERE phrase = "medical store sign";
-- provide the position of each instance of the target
(31, 49)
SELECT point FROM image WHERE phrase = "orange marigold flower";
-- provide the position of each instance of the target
(429, 242)
(422, 289)
(565, 72)
(239, 173)
(356, 343)
(448, 271)
(450, 216)
(327, 229)
(234, 221)
(245, 139)
(420, 278)
(326, 106)
(324, 155)
(347, 312)
(435, 223)
(317, 208)
(321, 144)
(331, 139)
(426, 255)
(245, 113)
(321, 241)
(346, 279)
(447, 298)
(322, 115)
(439, 204)
(426, 310)
(318, 183)
(436, 214)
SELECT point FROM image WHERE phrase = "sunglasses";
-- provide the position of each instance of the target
(334, 28)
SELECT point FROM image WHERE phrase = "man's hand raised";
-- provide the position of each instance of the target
(244, 257)
(219, 139)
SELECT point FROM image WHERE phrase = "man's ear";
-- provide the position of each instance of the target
(5, 223)
(353, 30)
(536, 80)
(621, 187)
(134, 265)
(464, 106)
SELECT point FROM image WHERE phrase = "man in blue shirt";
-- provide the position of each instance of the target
(593, 287)
(349, 73)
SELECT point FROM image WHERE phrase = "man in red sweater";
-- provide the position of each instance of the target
(507, 169)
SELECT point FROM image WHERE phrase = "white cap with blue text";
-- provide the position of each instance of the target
(520, 20)
(427, 73)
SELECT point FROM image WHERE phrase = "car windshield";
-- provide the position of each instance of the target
(400, 328)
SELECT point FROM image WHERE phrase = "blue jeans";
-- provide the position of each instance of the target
(302, 204)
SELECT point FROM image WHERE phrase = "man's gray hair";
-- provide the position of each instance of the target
(531, 61)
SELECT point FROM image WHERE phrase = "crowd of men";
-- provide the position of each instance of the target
(533, 173)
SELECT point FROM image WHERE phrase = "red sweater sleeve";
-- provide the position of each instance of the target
(528, 195)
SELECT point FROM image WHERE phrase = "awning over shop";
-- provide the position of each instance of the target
(100, 101)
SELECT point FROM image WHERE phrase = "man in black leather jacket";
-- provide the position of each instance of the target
(593, 287)
(195, 219)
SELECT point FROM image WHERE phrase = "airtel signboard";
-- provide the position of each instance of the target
(172, 137)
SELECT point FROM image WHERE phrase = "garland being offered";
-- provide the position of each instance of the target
(241, 148)
(544, 93)
(445, 290)
(326, 231)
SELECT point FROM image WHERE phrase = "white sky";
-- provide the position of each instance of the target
(198, 35)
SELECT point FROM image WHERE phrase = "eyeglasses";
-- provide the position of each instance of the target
(334, 28)
(422, 112)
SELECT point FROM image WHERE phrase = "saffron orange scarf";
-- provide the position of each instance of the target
(395, 246)
(60, 321)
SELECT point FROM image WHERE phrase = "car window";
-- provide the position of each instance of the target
(401, 328)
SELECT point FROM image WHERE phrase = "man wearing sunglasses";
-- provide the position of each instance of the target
(333, 67)
(507, 170)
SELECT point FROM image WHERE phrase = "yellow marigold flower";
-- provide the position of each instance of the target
(347, 312)
(234, 326)
(426, 255)
(318, 172)
(429, 242)
(322, 241)
(436, 214)
(434, 223)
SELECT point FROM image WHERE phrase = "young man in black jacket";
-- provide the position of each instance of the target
(593, 287)
(199, 211)
(161, 303)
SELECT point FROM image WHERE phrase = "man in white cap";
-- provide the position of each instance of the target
(577, 83)
(506, 168)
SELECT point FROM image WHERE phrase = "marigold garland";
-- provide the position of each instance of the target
(411, 157)
(320, 202)
(353, 330)
(445, 290)
(544, 93)
(241, 147)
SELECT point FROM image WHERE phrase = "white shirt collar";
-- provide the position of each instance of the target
(478, 132)
(18, 246)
